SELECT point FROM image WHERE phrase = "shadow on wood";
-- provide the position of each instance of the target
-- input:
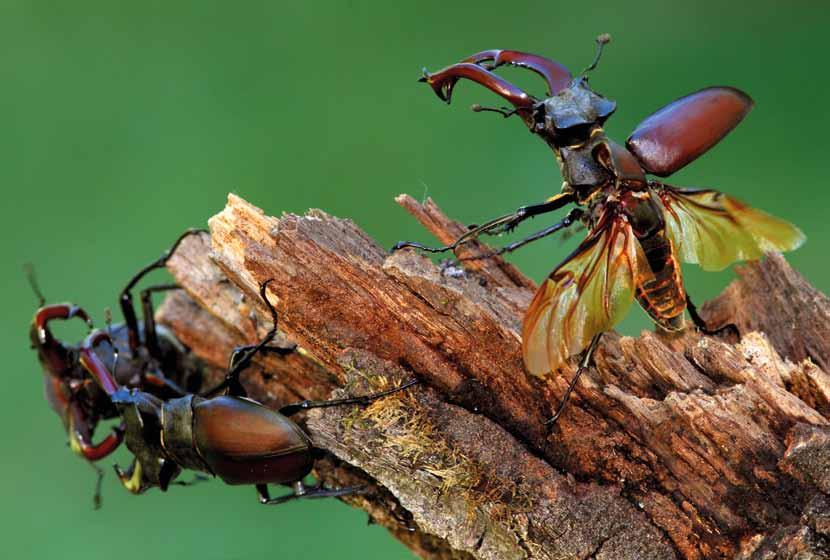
(685, 448)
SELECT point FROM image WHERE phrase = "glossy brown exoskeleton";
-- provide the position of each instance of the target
(146, 352)
(229, 436)
(639, 229)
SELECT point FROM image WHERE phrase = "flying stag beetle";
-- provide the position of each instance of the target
(146, 351)
(226, 435)
(639, 229)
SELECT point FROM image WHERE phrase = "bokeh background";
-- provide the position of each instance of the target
(122, 123)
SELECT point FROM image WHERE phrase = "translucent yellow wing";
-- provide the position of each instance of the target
(714, 230)
(588, 293)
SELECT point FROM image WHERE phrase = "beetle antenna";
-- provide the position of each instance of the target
(29, 270)
(503, 111)
(602, 40)
(96, 498)
(108, 321)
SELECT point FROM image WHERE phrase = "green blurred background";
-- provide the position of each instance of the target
(121, 124)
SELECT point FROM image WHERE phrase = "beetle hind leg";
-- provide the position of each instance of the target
(302, 492)
(702, 326)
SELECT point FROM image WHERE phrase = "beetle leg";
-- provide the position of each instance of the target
(572, 217)
(502, 224)
(126, 298)
(168, 471)
(239, 352)
(96, 498)
(291, 409)
(150, 336)
(197, 479)
(583, 366)
(700, 323)
(300, 491)
(132, 479)
(238, 364)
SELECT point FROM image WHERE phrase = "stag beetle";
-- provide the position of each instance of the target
(226, 435)
(638, 229)
(146, 350)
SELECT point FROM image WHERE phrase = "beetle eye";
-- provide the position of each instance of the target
(574, 135)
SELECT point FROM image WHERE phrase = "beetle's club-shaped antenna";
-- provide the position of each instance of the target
(602, 40)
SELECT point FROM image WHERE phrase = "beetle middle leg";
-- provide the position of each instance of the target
(700, 323)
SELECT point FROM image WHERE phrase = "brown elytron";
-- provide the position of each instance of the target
(639, 230)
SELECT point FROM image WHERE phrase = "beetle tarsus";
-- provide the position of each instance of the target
(503, 111)
(96, 498)
(291, 409)
(301, 492)
(583, 366)
(702, 326)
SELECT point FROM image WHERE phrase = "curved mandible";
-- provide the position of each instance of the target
(93, 364)
(49, 313)
(555, 74)
(443, 82)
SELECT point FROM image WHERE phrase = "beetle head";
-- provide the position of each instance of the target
(568, 118)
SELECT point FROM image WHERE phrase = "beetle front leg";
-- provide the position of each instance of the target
(132, 479)
(502, 224)
(150, 335)
(126, 298)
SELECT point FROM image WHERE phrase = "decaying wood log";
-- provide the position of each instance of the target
(690, 447)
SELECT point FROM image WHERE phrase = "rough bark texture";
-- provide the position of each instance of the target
(690, 447)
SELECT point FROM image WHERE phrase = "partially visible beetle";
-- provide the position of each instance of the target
(229, 436)
(146, 351)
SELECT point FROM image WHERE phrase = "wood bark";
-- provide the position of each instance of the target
(684, 447)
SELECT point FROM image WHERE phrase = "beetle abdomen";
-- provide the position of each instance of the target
(662, 296)
(244, 442)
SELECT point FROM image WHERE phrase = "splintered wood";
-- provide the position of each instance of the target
(695, 447)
